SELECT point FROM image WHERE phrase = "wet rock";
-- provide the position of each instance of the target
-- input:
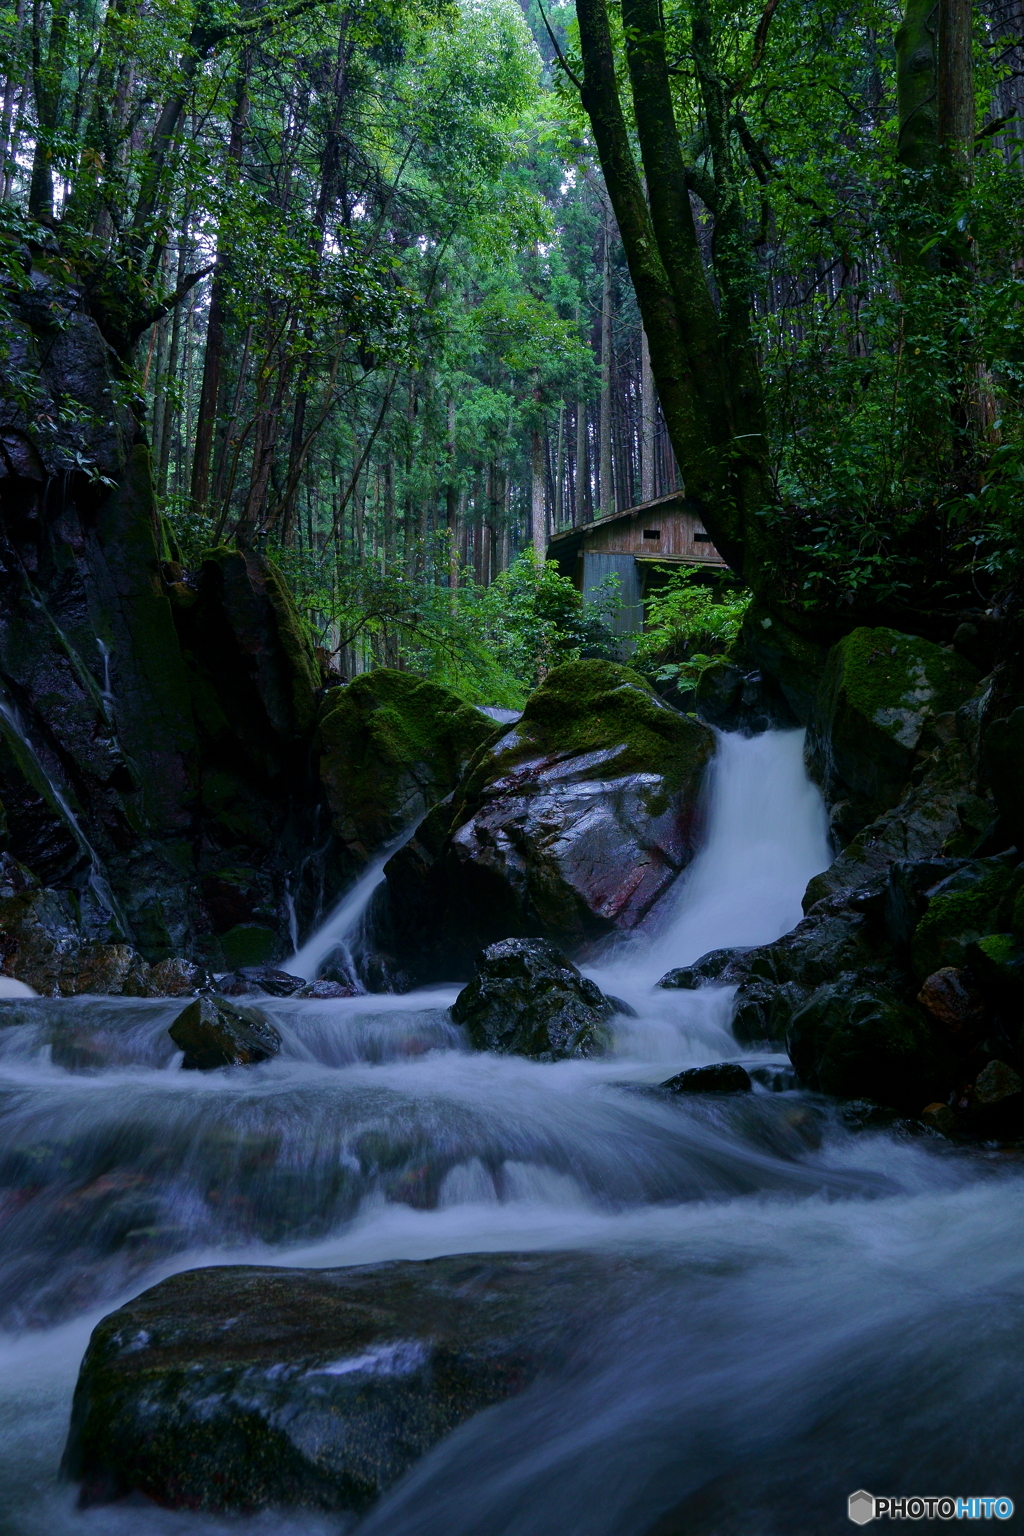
(235, 1389)
(997, 960)
(41, 940)
(391, 746)
(950, 998)
(939, 1117)
(717, 968)
(323, 988)
(880, 704)
(732, 697)
(176, 977)
(527, 999)
(215, 1032)
(858, 1040)
(111, 970)
(255, 980)
(719, 1077)
(996, 1082)
(573, 824)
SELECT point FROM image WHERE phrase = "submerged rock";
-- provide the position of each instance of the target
(573, 824)
(237, 1388)
(214, 1032)
(322, 988)
(527, 999)
(719, 1077)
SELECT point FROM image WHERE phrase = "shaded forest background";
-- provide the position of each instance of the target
(363, 282)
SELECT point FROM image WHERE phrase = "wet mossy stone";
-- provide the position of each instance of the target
(879, 699)
(793, 661)
(528, 999)
(978, 899)
(215, 1032)
(858, 1040)
(719, 1077)
(997, 960)
(236, 1389)
(392, 745)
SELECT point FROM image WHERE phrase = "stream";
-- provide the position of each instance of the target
(829, 1307)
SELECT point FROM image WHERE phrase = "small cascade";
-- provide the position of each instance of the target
(338, 937)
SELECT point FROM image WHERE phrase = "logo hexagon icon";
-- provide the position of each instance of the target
(861, 1507)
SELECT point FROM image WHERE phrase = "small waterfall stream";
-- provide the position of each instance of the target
(828, 1310)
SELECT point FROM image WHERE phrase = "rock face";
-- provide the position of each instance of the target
(391, 746)
(527, 999)
(572, 824)
(235, 1389)
(215, 1032)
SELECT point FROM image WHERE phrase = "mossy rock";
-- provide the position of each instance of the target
(877, 705)
(250, 944)
(857, 1040)
(976, 901)
(392, 745)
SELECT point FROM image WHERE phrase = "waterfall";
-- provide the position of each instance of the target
(338, 935)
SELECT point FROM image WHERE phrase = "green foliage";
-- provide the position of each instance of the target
(688, 626)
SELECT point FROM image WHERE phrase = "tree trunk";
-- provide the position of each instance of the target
(647, 478)
(538, 499)
(605, 488)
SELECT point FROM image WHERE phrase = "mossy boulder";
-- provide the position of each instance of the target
(237, 1389)
(391, 745)
(573, 823)
(976, 900)
(877, 711)
(859, 1040)
(528, 999)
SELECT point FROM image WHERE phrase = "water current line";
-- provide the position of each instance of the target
(339, 932)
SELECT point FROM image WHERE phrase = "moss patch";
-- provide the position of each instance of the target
(589, 706)
(250, 944)
(957, 918)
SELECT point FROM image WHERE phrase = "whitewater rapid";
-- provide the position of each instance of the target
(828, 1309)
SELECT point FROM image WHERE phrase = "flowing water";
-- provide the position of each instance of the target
(826, 1309)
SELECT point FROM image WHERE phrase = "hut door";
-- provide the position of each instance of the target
(596, 567)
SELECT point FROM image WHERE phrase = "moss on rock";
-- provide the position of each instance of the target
(877, 706)
(978, 900)
(391, 745)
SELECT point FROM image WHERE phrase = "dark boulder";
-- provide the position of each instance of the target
(235, 1389)
(1003, 756)
(573, 824)
(732, 697)
(717, 968)
(858, 1040)
(953, 1001)
(977, 899)
(215, 1032)
(527, 999)
(719, 1077)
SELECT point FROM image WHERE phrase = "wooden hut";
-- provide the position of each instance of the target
(632, 545)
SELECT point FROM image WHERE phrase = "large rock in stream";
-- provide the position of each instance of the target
(239, 1388)
(573, 824)
(528, 999)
